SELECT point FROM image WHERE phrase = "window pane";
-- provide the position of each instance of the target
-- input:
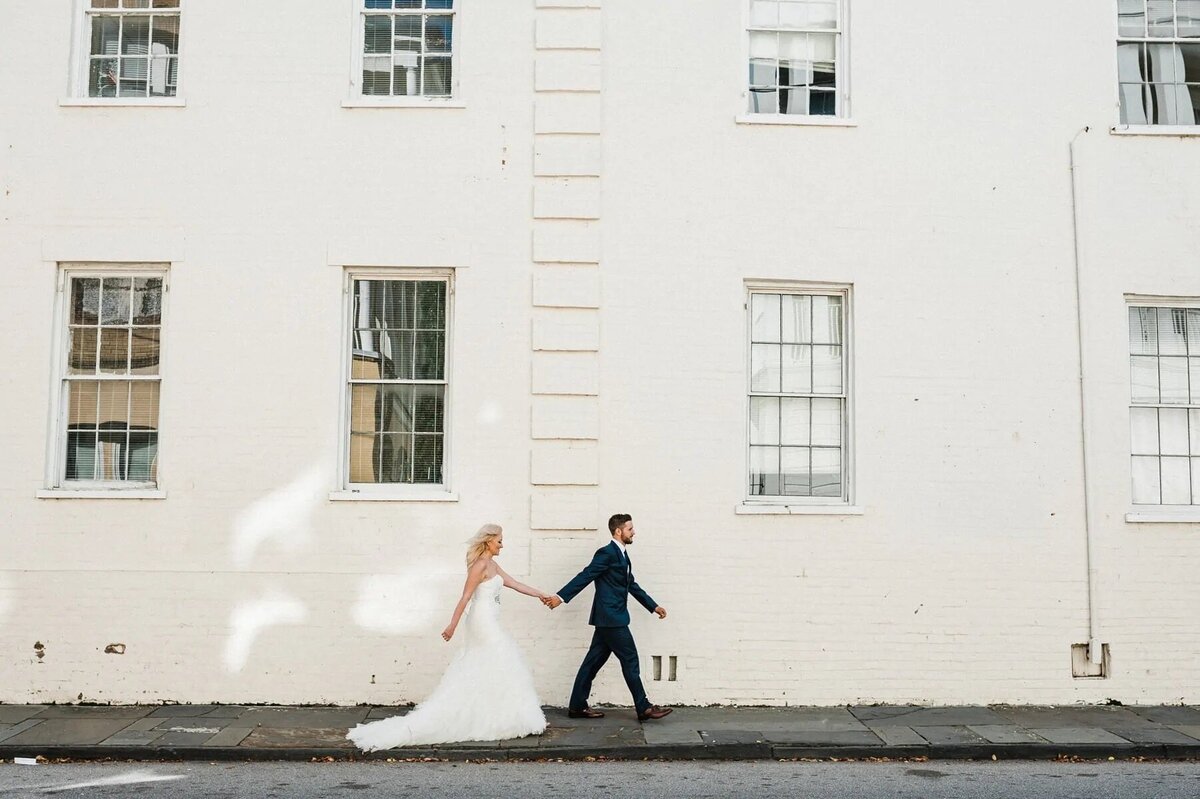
(395, 458)
(764, 317)
(106, 35)
(1173, 377)
(764, 101)
(81, 455)
(1173, 431)
(764, 367)
(827, 422)
(1163, 64)
(144, 351)
(377, 34)
(794, 101)
(827, 370)
(797, 369)
(1194, 430)
(165, 3)
(1195, 480)
(85, 300)
(826, 472)
(827, 320)
(428, 363)
(81, 408)
(135, 3)
(1194, 379)
(1160, 17)
(1172, 331)
(797, 318)
(436, 80)
(164, 35)
(431, 306)
(133, 79)
(114, 307)
(428, 408)
(439, 3)
(1143, 431)
(114, 405)
(764, 45)
(1130, 62)
(764, 420)
(764, 471)
(142, 457)
(795, 422)
(104, 3)
(82, 359)
(1145, 481)
(795, 471)
(427, 459)
(102, 78)
(376, 77)
(439, 33)
(1188, 17)
(143, 405)
(1176, 481)
(1131, 18)
(395, 357)
(114, 350)
(135, 36)
(1143, 378)
(764, 13)
(377, 3)
(378, 409)
(147, 301)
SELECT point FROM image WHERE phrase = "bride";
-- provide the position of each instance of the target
(487, 691)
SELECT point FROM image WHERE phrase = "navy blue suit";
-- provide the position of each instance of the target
(612, 573)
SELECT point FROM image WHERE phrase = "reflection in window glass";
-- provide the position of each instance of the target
(406, 50)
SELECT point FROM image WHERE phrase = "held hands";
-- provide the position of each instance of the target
(551, 602)
(661, 612)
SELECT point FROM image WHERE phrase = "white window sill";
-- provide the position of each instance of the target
(1155, 130)
(124, 102)
(102, 493)
(768, 509)
(355, 495)
(790, 119)
(403, 102)
(1156, 515)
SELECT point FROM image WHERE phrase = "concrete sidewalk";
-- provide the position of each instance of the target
(241, 732)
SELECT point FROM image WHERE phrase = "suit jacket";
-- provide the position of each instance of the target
(614, 583)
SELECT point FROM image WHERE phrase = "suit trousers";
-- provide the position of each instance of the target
(609, 641)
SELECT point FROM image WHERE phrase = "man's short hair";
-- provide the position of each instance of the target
(617, 521)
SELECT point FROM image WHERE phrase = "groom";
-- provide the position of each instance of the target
(613, 575)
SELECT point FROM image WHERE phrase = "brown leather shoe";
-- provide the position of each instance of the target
(654, 712)
(586, 713)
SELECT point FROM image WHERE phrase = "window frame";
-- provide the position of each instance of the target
(417, 492)
(1159, 511)
(80, 61)
(357, 99)
(56, 484)
(757, 503)
(1147, 128)
(842, 105)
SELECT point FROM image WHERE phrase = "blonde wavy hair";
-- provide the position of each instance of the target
(478, 543)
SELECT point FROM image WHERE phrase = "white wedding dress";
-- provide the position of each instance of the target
(486, 694)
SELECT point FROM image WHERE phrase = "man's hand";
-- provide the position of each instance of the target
(551, 602)
(661, 612)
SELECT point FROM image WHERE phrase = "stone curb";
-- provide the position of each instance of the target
(739, 751)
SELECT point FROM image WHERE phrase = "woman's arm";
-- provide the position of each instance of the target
(474, 578)
(520, 588)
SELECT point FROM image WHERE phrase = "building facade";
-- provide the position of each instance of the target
(881, 319)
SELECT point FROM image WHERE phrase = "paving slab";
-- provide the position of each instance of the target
(302, 717)
(663, 734)
(1106, 717)
(596, 737)
(950, 735)
(95, 712)
(1170, 714)
(195, 724)
(291, 737)
(824, 737)
(1005, 734)
(877, 712)
(15, 714)
(51, 732)
(1155, 735)
(1078, 735)
(940, 717)
(129, 737)
(182, 711)
(16, 729)
(183, 738)
(895, 735)
(137, 725)
(1190, 730)
(731, 737)
(230, 736)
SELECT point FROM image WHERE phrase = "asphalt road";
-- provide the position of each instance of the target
(612, 780)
